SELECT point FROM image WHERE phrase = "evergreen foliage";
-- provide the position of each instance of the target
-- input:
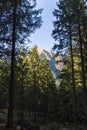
(70, 36)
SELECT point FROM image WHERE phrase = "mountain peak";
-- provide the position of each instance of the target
(55, 67)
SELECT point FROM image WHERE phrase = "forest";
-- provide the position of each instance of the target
(29, 98)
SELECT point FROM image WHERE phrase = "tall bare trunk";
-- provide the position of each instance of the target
(73, 77)
(11, 88)
(22, 102)
(81, 42)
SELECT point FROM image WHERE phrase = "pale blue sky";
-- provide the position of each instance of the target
(42, 37)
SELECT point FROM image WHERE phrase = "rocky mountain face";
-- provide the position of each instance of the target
(55, 64)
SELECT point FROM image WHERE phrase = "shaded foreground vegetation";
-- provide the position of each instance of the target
(46, 126)
(28, 124)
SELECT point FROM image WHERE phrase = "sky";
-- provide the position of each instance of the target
(42, 37)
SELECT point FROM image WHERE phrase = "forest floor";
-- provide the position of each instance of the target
(52, 126)
(43, 126)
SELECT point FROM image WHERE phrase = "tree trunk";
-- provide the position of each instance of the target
(35, 98)
(73, 79)
(22, 102)
(11, 88)
(83, 68)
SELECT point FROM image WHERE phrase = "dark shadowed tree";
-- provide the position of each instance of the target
(63, 34)
(21, 19)
(69, 30)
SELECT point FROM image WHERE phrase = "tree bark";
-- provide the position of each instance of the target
(74, 89)
(83, 67)
(35, 98)
(11, 88)
(73, 79)
(22, 102)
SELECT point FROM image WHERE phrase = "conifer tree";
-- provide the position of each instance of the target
(42, 77)
(19, 19)
(68, 30)
(63, 33)
(38, 81)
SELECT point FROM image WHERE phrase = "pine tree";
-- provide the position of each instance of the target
(63, 25)
(21, 19)
(80, 15)
(4, 83)
(69, 25)
(38, 81)
(66, 82)
(21, 79)
(28, 19)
